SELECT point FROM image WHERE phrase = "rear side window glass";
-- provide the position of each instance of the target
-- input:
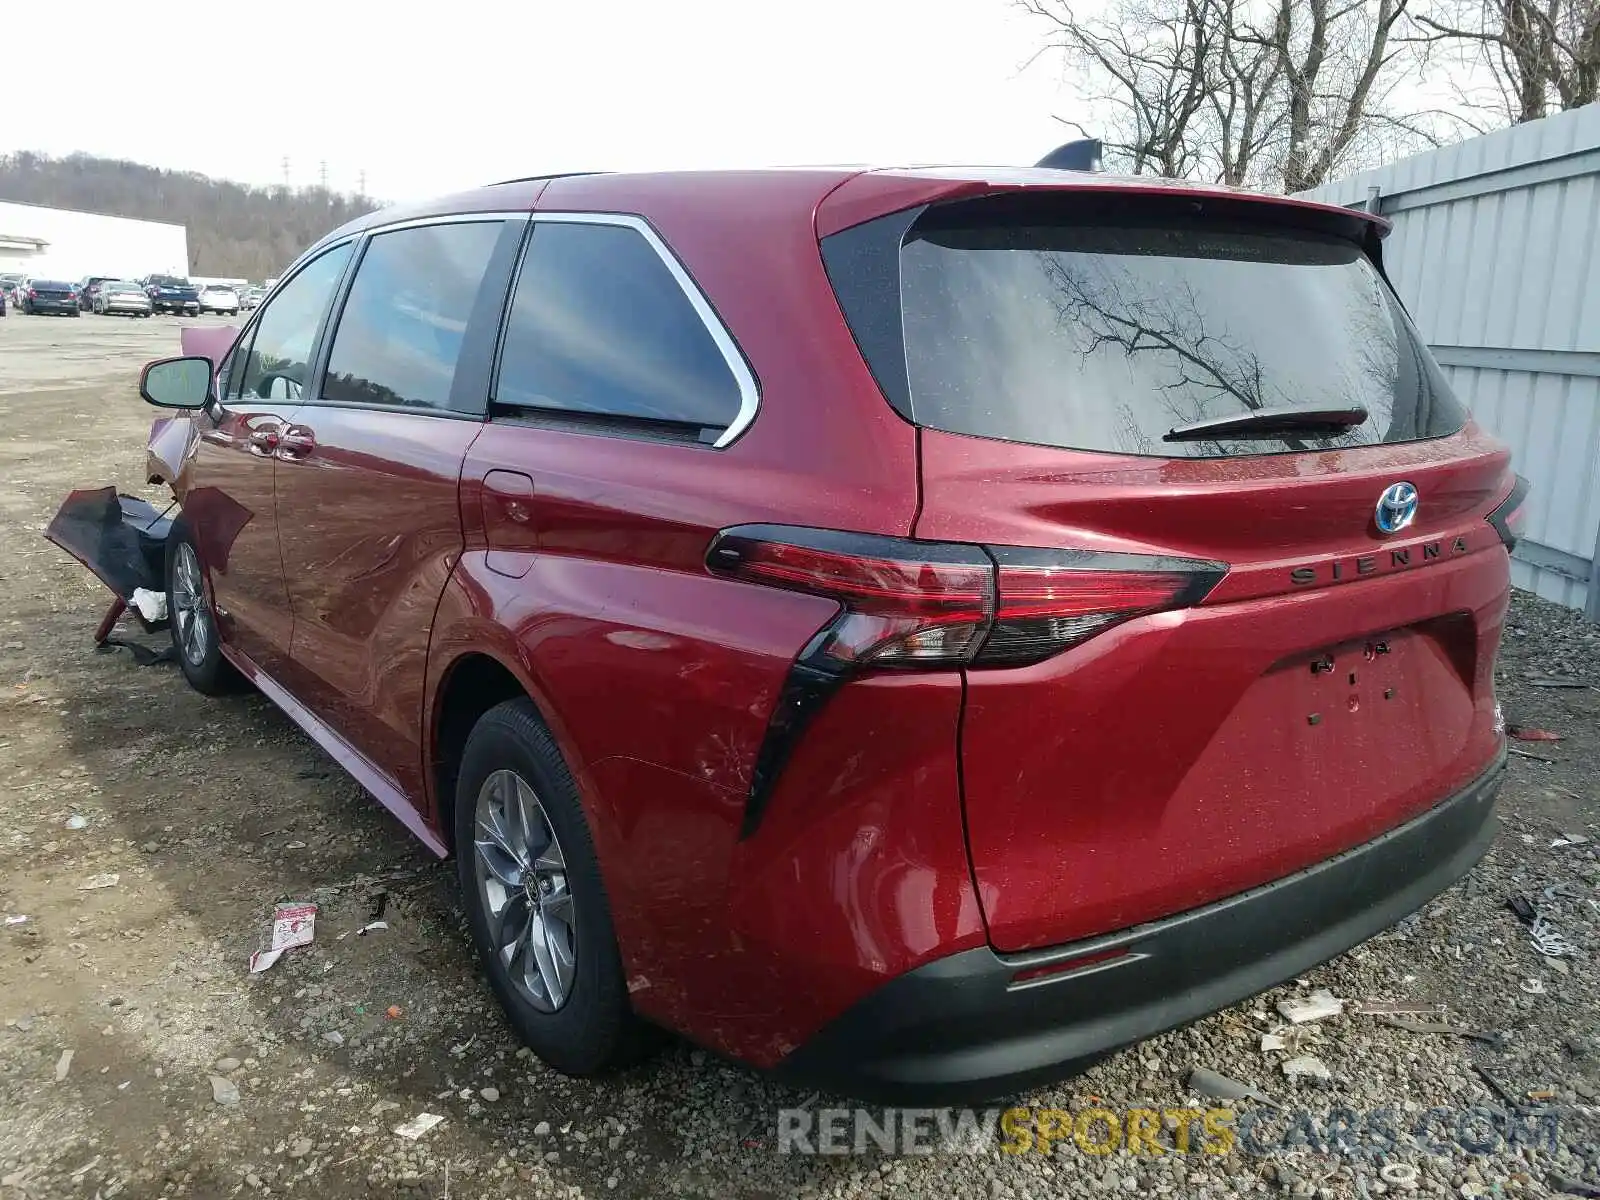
(278, 364)
(1107, 335)
(399, 337)
(599, 326)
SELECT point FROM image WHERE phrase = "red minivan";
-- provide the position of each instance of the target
(911, 630)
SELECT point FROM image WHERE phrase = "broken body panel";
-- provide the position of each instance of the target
(122, 539)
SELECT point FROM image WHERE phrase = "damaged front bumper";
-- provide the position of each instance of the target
(122, 540)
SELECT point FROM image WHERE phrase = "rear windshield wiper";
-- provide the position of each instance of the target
(1270, 422)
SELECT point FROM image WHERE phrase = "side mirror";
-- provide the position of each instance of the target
(177, 383)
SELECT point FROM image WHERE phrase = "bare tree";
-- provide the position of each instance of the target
(1541, 55)
(1334, 55)
(1277, 93)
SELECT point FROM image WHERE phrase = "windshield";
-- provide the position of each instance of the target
(123, 287)
(168, 281)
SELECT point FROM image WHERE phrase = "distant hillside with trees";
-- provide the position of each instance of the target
(234, 229)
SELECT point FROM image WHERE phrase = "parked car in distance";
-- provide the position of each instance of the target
(219, 298)
(1055, 683)
(250, 298)
(117, 297)
(8, 284)
(88, 289)
(169, 293)
(50, 296)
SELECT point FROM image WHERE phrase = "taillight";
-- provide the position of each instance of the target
(1510, 517)
(907, 604)
(903, 604)
(32, 295)
(1052, 599)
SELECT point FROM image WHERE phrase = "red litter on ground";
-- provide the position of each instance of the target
(292, 925)
(1526, 733)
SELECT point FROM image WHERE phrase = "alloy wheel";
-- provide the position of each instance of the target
(522, 880)
(191, 615)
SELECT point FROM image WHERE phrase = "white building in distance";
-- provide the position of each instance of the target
(54, 243)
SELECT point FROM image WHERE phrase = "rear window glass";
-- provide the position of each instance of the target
(1109, 335)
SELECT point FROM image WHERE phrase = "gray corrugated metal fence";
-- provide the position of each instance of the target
(1496, 252)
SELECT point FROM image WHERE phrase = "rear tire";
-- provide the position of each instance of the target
(534, 898)
(195, 642)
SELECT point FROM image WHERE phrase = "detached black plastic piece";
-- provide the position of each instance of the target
(121, 539)
(1081, 155)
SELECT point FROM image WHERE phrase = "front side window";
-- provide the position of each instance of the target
(601, 327)
(279, 361)
(400, 335)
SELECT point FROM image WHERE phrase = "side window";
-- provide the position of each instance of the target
(400, 334)
(600, 326)
(278, 362)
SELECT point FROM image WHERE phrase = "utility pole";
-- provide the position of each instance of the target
(322, 175)
(285, 170)
(361, 182)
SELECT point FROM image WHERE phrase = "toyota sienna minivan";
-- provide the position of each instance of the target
(913, 631)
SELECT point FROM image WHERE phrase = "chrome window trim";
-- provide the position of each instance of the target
(744, 377)
(460, 218)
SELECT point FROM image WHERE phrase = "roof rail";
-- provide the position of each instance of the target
(538, 178)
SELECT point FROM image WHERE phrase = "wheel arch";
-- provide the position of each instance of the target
(470, 685)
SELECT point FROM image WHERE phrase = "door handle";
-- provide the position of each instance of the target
(265, 440)
(296, 441)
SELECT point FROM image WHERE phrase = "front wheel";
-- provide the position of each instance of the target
(535, 901)
(193, 621)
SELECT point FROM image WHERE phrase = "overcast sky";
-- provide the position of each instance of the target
(481, 90)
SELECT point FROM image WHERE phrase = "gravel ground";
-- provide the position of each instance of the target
(210, 811)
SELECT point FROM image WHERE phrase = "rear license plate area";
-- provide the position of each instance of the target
(1356, 678)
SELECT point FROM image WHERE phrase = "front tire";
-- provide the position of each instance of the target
(195, 643)
(535, 900)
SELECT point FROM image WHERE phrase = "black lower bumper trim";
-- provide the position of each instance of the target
(960, 1030)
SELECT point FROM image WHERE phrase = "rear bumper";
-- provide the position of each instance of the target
(53, 306)
(959, 1030)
